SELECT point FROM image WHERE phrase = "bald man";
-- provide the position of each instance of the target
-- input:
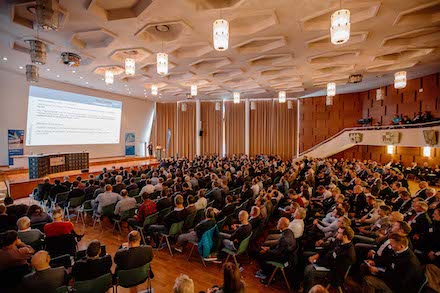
(133, 254)
(45, 279)
(279, 253)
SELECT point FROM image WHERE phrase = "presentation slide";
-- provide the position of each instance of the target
(63, 118)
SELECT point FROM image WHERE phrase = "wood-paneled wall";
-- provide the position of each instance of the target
(234, 128)
(165, 118)
(406, 155)
(211, 141)
(319, 122)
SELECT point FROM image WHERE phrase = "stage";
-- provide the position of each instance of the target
(19, 185)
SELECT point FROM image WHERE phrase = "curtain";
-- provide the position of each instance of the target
(165, 119)
(234, 128)
(260, 128)
(186, 130)
(211, 141)
(284, 130)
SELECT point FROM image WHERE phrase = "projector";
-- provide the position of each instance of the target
(70, 59)
(355, 78)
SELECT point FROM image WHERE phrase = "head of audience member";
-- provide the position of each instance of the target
(209, 213)
(255, 212)
(10, 238)
(57, 215)
(384, 211)
(358, 189)
(23, 223)
(345, 234)
(398, 242)
(243, 217)
(75, 184)
(66, 178)
(46, 180)
(371, 200)
(183, 284)
(191, 200)
(231, 278)
(91, 182)
(283, 224)
(93, 249)
(321, 189)
(2, 209)
(8, 201)
(78, 178)
(401, 227)
(300, 213)
(318, 289)
(108, 188)
(160, 180)
(436, 215)
(34, 210)
(395, 216)
(344, 222)
(228, 199)
(40, 261)
(124, 193)
(178, 201)
(57, 182)
(118, 179)
(423, 184)
(421, 207)
(134, 239)
(430, 192)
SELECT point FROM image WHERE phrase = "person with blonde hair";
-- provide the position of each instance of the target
(183, 284)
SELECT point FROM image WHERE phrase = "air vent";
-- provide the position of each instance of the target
(355, 78)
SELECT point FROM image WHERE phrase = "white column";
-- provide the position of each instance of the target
(298, 117)
(246, 126)
(198, 127)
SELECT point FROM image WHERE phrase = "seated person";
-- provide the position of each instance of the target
(296, 226)
(92, 265)
(201, 202)
(133, 254)
(76, 190)
(37, 215)
(334, 263)
(147, 207)
(99, 190)
(183, 284)
(125, 204)
(190, 208)
(44, 279)
(13, 252)
(232, 281)
(43, 189)
(402, 273)
(280, 252)
(198, 231)
(119, 185)
(7, 222)
(242, 231)
(57, 188)
(17, 210)
(59, 227)
(26, 234)
(255, 219)
(106, 198)
(227, 210)
(148, 188)
(132, 185)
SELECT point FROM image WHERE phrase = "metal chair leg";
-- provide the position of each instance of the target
(190, 252)
(160, 242)
(169, 246)
(141, 230)
(227, 258)
(236, 262)
(285, 279)
(271, 277)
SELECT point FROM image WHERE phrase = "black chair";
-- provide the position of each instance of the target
(61, 261)
(39, 226)
(60, 245)
(11, 277)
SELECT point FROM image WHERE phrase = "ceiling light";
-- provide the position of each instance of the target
(282, 97)
(162, 63)
(400, 80)
(183, 107)
(47, 69)
(130, 66)
(253, 106)
(217, 106)
(331, 89)
(194, 90)
(47, 17)
(220, 31)
(87, 82)
(289, 105)
(329, 101)
(109, 77)
(391, 149)
(236, 97)
(38, 52)
(32, 73)
(340, 27)
(154, 90)
(5, 59)
(70, 59)
(58, 75)
(426, 151)
(20, 67)
(125, 85)
(162, 28)
(73, 71)
(80, 77)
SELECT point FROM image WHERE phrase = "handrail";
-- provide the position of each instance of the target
(406, 126)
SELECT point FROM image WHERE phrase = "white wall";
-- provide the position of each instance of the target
(136, 117)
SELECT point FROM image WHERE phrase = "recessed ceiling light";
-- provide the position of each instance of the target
(80, 77)
(87, 82)
(47, 69)
(20, 67)
(125, 85)
(73, 71)
(129, 93)
(102, 79)
(5, 59)
(58, 75)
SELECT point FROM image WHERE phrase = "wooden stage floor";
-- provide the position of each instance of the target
(19, 185)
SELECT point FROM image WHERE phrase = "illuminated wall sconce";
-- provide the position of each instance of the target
(391, 149)
(426, 151)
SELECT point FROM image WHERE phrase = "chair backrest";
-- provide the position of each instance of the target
(108, 210)
(98, 285)
(189, 221)
(133, 277)
(425, 281)
(176, 228)
(221, 223)
(151, 219)
(138, 199)
(39, 226)
(60, 245)
(244, 244)
(210, 204)
(165, 212)
(128, 214)
(63, 196)
(76, 201)
(87, 206)
(133, 192)
(61, 261)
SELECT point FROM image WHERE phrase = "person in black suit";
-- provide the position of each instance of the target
(280, 252)
(420, 223)
(57, 188)
(232, 241)
(133, 254)
(44, 189)
(336, 261)
(119, 185)
(376, 184)
(357, 201)
(403, 204)
(17, 210)
(403, 181)
(7, 222)
(216, 195)
(165, 201)
(66, 182)
(142, 182)
(92, 265)
(422, 191)
(89, 191)
(76, 191)
(403, 273)
(228, 209)
(255, 220)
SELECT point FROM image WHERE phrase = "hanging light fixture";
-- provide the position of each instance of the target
(400, 80)
(38, 51)
(194, 90)
(32, 73)
(426, 151)
(379, 94)
(340, 27)
(289, 105)
(109, 77)
(183, 107)
(253, 106)
(217, 106)
(154, 90)
(236, 97)
(220, 31)
(47, 16)
(130, 66)
(162, 63)
(329, 101)
(282, 97)
(331, 89)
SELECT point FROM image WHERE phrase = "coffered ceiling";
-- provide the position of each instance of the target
(273, 45)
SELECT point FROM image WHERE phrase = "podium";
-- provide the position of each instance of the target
(42, 165)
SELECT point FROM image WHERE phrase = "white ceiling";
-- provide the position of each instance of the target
(273, 45)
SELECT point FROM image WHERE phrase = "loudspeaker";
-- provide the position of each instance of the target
(201, 133)
(84, 170)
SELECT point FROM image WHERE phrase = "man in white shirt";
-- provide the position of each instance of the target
(296, 226)
(201, 203)
(159, 186)
(148, 188)
(105, 199)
